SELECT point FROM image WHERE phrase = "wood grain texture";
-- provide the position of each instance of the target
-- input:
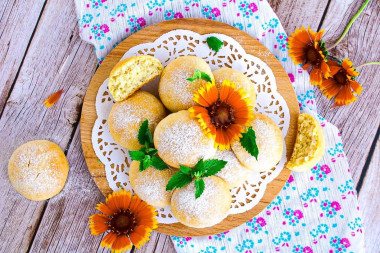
(15, 34)
(158, 243)
(149, 34)
(62, 61)
(359, 121)
(293, 14)
(64, 227)
(369, 202)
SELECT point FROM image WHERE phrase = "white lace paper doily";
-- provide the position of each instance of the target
(166, 48)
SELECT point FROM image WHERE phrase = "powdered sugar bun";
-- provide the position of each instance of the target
(180, 140)
(207, 210)
(175, 91)
(127, 116)
(238, 78)
(234, 173)
(38, 169)
(150, 184)
(269, 141)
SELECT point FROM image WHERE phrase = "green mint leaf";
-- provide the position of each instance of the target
(158, 164)
(185, 170)
(206, 77)
(199, 169)
(248, 141)
(199, 187)
(136, 155)
(213, 166)
(147, 161)
(142, 135)
(214, 43)
(178, 180)
(199, 75)
(141, 167)
(121, 186)
(151, 151)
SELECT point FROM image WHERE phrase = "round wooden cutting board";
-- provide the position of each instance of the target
(201, 26)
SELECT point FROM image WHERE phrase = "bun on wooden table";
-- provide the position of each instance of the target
(127, 116)
(175, 91)
(269, 141)
(38, 169)
(179, 140)
(207, 210)
(131, 74)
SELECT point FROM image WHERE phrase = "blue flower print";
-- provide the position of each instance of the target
(156, 3)
(239, 26)
(98, 33)
(247, 9)
(209, 249)
(87, 18)
(169, 14)
(246, 245)
(96, 3)
(181, 241)
(120, 9)
(320, 231)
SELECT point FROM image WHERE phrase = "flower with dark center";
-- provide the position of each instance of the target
(342, 84)
(307, 48)
(128, 220)
(223, 114)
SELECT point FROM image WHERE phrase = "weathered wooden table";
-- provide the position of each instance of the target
(41, 53)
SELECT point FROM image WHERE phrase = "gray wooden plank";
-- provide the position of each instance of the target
(56, 59)
(64, 226)
(369, 202)
(18, 20)
(359, 121)
(293, 14)
(159, 243)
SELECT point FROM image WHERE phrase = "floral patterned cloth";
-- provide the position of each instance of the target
(317, 211)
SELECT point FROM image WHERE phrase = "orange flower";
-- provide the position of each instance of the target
(307, 48)
(342, 83)
(128, 219)
(222, 115)
(53, 98)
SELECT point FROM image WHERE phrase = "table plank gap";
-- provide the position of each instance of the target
(324, 15)
(38, 224)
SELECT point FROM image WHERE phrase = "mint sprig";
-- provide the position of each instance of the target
(199, 75)
(147, 154)
(202, 169)
(214, 43)
(248, 141)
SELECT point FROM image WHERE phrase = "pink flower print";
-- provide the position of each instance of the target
(188, 239)
(307, 249)
(105, 28)
(345, 242)
(103, 1)
(252, 7)
(216, 12)
(298, 214)
(291, 179)
(326, 169)
(336, 205)
(292, 79)
(178, 15)
(141, 22)
(261, 221)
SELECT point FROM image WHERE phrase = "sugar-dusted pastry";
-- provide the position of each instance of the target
(238, 78)
(179, 139)
(269, 141)
(233, 173)
(207, 210)
(127, 116)
(38, 169)
(309, 146)
(131, 74)
(175, 91)
(150, 184)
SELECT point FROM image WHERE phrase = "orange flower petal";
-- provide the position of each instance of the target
(121, 244)
(53, 98)
(356, 87)
(334, 67)
(104, 209)
(316, 76)
(139, 236)
(108, 240)
(325, 69)
(329, 87)
(97, 224)
(344, 96)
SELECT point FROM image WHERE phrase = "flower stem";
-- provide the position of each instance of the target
(350, 24)
(368, 63)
